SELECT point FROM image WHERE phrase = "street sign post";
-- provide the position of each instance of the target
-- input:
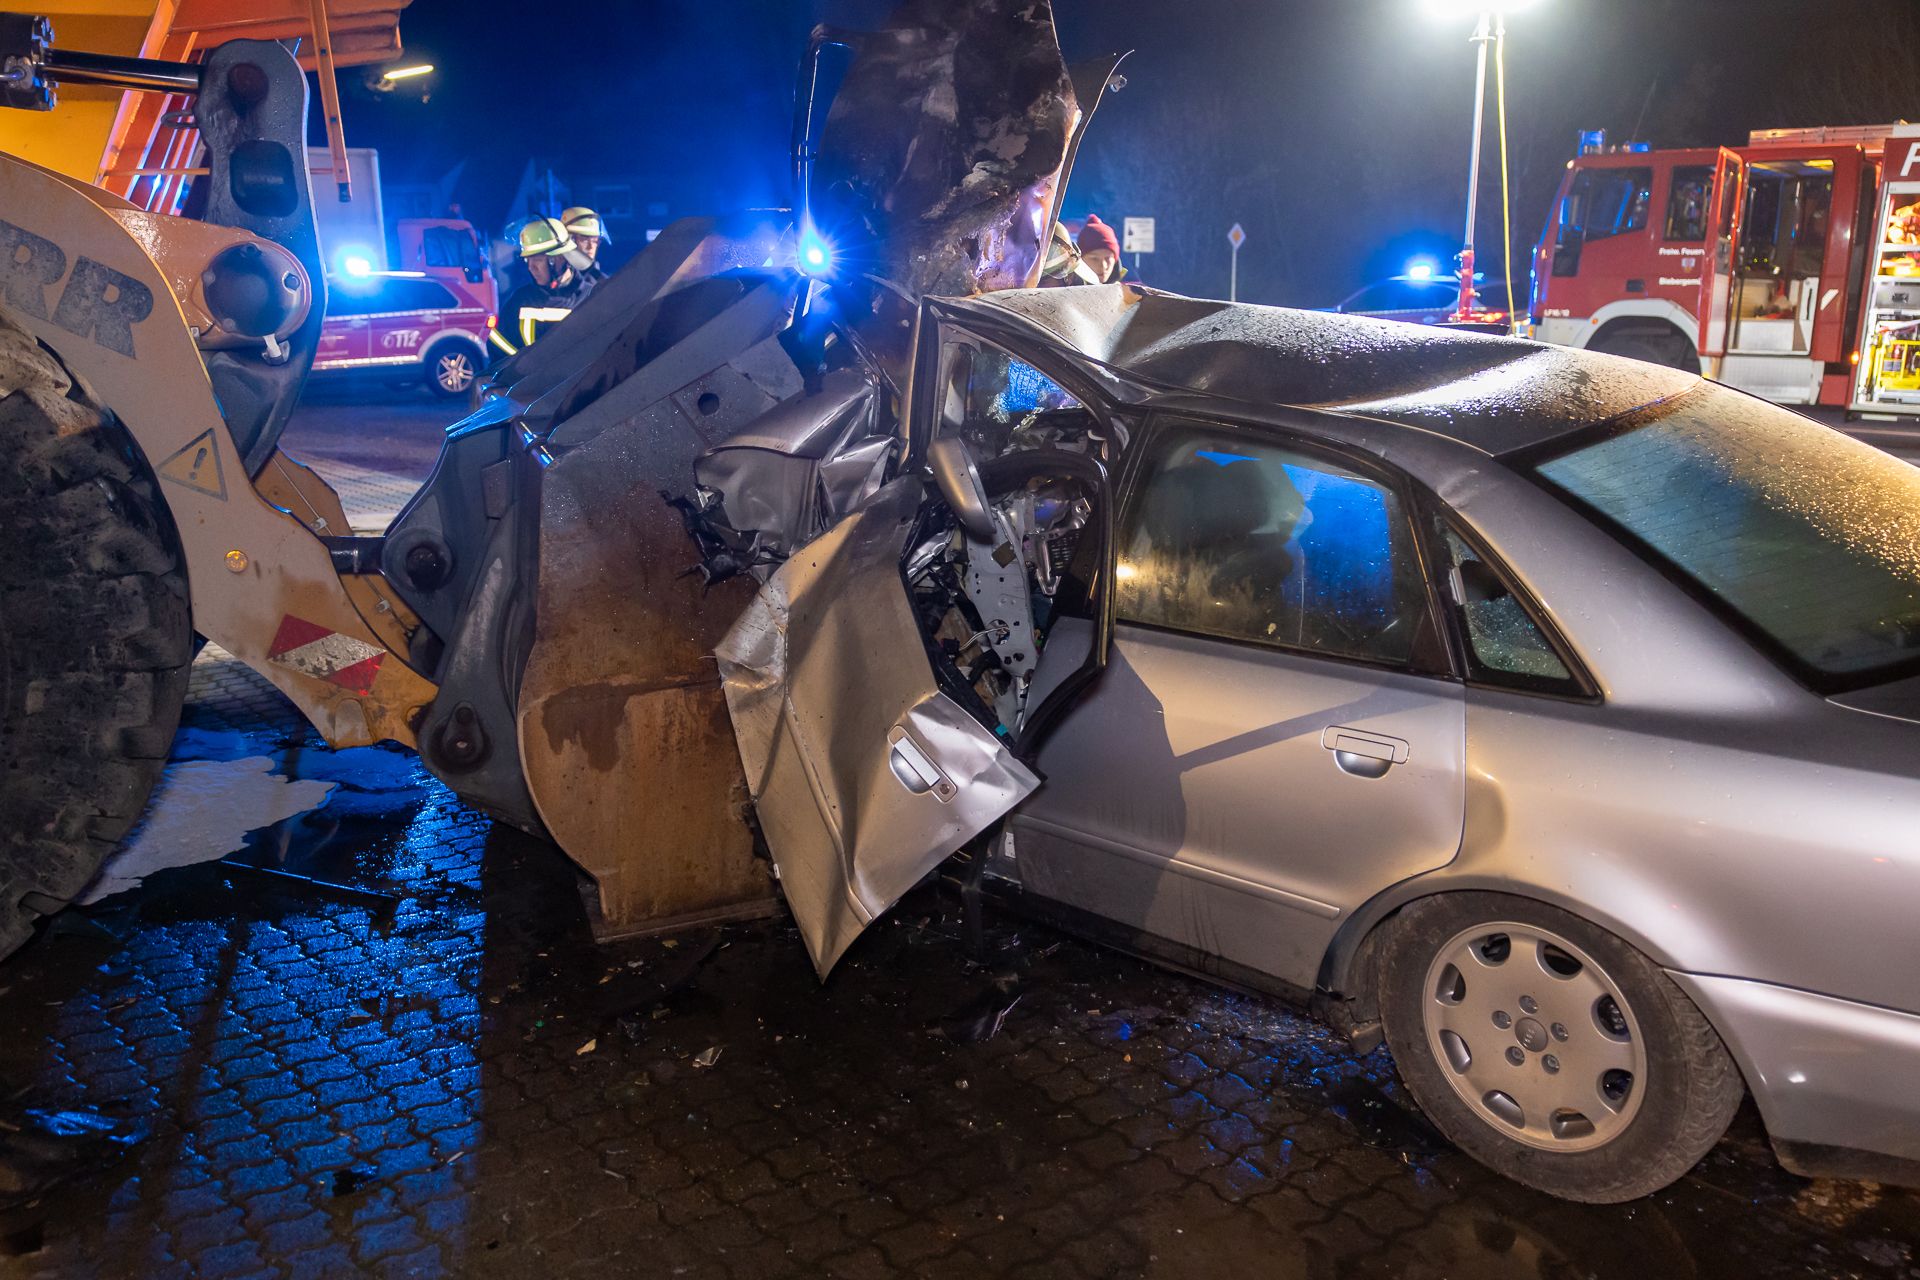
(1136, 238)
(1236, 236)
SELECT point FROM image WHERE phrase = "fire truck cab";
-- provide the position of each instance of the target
(1746, 264)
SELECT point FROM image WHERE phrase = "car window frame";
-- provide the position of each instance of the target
(923, 417)
(1441, 664)
(1436, 516)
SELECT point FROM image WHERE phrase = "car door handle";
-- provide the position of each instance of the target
(1363, 753)
(915, 769)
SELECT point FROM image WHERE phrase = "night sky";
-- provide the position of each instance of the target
(1335, 131)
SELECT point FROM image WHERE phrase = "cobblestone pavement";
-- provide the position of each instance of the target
(374, 445)
(430, 1069)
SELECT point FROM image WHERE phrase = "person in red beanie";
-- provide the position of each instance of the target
(1100, 250)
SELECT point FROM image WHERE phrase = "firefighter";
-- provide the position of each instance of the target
(588, 233)
(552, 293)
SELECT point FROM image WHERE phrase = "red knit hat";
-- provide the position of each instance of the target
(1098, 235)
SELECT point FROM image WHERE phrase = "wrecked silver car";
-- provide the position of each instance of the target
(1548, 715)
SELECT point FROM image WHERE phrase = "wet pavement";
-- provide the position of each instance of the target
(417, 1062)
(377, 1038)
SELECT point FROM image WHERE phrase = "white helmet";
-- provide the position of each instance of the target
(582, 221)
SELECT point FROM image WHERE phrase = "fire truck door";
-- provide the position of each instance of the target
(1729, 182)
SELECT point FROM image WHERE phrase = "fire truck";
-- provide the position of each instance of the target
(1789, 267)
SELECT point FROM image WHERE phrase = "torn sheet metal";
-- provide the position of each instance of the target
(801, 466)
(864, 774)
(945, 143)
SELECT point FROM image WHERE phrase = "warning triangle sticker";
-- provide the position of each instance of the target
(197, 467)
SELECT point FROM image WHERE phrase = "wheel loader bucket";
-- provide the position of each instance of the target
(623, 734)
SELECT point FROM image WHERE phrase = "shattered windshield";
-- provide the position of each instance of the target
(1804, 536)
(1003, 389)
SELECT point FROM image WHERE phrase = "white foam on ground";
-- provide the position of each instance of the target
(204, 810)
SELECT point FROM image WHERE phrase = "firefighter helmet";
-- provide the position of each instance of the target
(543, 238)
(582, 221)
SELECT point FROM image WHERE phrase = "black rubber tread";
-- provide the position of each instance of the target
(432, 354)
(1694, 1086)
(95, 634)
(1662, 345)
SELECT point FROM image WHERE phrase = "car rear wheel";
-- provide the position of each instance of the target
(452, 368)
(1664, 345)
(1550, 1050)
(95, 634)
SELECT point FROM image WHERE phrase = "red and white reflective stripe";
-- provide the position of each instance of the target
(314, 650)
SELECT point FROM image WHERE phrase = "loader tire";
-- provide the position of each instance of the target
(96, 634)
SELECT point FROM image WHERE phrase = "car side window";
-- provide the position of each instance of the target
(1230, 535)
(381, 295)
(1504, 643)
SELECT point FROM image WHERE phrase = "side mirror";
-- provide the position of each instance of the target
(957, 477)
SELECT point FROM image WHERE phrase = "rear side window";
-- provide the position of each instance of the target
(1600, 204)
(1505, 645)
(1227, 535)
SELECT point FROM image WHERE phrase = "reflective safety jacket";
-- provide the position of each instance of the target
(531, 310)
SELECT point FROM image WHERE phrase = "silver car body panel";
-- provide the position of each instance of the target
(1241, 800)
(1826, 1072)
(865, 776)
(802, 465)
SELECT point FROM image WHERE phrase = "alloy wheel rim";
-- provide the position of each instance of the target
(455, 371)
(1534, 1036)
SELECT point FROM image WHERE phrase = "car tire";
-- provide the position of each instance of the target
(1518, 1055)
(96, 634)
(1664, 346)
(451, 369)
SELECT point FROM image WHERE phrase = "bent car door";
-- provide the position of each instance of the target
(864, 773)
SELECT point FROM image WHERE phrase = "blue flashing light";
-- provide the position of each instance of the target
(356, 264)
(1592, 141)
(814, 256)
(1420, 269)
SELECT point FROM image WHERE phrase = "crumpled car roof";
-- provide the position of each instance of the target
(1494, 393)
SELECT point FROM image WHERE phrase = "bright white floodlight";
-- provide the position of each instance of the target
(1475, 8)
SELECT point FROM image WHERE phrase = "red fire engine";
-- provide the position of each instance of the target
(1789, 268)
